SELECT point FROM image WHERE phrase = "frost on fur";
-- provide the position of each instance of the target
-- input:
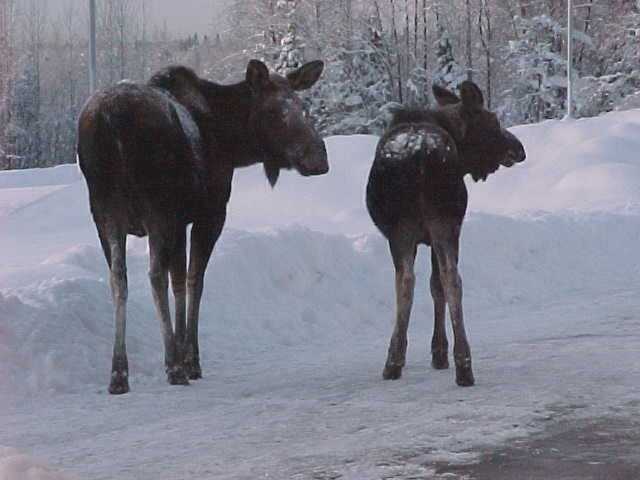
(408, 143)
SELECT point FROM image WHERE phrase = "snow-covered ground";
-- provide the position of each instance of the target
(296, 318)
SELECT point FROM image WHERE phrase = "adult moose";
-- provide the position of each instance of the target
(416, 195)
(160, 156)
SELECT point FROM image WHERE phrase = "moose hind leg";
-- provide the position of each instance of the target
(160, 255)
(403, 252)
(113, 240)
(439, 344)
(178, 273)
(447, 254)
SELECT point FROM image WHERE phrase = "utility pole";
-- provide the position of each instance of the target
(569, 61)
(469, 56)
(92, 46)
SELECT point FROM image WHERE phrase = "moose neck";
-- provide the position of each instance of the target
(230, 111)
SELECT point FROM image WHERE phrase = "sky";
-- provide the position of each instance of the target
(187, 16)
(182, 16)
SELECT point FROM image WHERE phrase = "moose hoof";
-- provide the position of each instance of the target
(465, 378)
(392, 372)
(194, 372)
(464, 374)
(177, 376)
(119, 383)
(439, 360)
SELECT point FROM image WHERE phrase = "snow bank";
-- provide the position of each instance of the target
(37, 177)
(17, 466)
(585, 165)
(268, 290)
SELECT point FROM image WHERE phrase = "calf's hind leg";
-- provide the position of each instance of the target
(446, 248)
(439, 344)
(403, 251)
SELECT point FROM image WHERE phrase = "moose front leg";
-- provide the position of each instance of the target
(446, 250)
(204, 236)
(403, 251)
(439, 344)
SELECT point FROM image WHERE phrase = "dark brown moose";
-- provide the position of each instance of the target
(416, 195)
(160, 156)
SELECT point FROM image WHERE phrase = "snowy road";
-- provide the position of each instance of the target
(324, 412)
(594, 448)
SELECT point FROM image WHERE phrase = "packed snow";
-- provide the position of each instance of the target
(15, 465)
(297, 314)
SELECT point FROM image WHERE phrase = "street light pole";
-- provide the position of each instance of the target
(569, 61)
(92, 46)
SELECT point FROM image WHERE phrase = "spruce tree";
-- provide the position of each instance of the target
(449, 73)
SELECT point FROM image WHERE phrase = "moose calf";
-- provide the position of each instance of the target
(416, 195)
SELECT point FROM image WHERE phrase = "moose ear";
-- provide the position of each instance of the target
(272, 174)
(257, 75)
(471, 95)
(306, 76)
(443, 96)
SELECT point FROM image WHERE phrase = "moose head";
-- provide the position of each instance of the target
(280, 123)
(482, 143)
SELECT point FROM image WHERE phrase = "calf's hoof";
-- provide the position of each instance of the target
(194, 372)
(119, 383)
(464, 374)
(392, 372)
(177, 376)
(439, 360)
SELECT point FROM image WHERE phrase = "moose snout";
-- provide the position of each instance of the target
(516, 152)
(515, 155)
(314, 161)
(519, 153)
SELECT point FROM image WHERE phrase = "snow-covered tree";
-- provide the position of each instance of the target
(418, 86)
(274, 29)
(24, 129)
(117, 33)
(449, 73)
(6, 74)
(618, 87)
(539, 82)
(291, 52)
(355, 88)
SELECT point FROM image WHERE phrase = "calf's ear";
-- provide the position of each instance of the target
(443, 96)
(257, 76)
(306, 76)
(471, 95)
